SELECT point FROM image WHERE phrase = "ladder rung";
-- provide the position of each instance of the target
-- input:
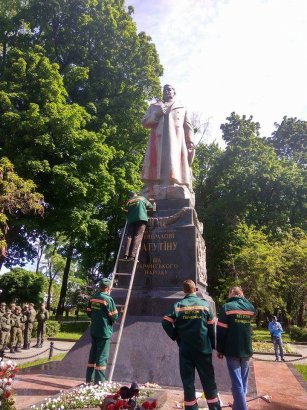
(123, 273)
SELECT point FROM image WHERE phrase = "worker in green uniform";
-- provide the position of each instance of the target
(5, 326)
(103, 314)
(235, 342)
(190, 323)
(136, 208)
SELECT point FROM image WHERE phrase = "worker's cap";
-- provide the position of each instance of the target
(131, 194)
(105, 283)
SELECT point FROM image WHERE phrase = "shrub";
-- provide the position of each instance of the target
(74, 327)
(298, 334)
(52, 328)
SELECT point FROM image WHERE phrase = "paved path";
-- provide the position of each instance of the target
(33, 353)
(278, 380)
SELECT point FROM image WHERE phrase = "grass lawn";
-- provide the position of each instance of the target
(302, 369)
(42, 361)
(263, 335)
(72, 330)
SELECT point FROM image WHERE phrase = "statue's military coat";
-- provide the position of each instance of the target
(166, 158)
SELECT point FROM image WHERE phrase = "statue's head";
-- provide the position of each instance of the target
(168, 92)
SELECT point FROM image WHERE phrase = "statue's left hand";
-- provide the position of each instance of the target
(191, 152)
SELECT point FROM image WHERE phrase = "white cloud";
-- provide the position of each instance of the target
(235, 55)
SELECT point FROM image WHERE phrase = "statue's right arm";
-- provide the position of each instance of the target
(152, 116)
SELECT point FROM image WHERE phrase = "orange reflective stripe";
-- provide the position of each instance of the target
(169, 319)
(211, 322)
(187, 308)
(240, 312)
(190, 403)
(215, 400)
(91, 365)
(101, 367)
(101, 301)
(222, 324)
(114, 312)
(88, 309)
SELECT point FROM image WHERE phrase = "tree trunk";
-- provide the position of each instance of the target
(61, 304)
(301, 314)
(49, 295)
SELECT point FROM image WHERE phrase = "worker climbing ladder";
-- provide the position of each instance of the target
(122, 308)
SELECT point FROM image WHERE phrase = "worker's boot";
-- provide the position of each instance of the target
(12, 350)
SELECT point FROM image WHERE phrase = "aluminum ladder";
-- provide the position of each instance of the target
(123, 308)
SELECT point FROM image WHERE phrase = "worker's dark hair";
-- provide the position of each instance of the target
(189, 286)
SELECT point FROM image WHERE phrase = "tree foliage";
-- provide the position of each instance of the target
(21, 286)
(250, 197)
(17, 197)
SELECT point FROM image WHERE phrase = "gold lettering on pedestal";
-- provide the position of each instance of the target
(159, 246)
(158, 242)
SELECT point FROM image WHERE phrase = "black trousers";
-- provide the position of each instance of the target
(135, 232)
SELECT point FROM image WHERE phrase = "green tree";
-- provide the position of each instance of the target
(111, 71)
(290, 140)
(247, 183)
(254, 262)
(294, 268)
(17, 197)
(21, 286)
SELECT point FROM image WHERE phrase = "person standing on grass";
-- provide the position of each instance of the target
(234, 341)
(103, 313)
(190, 323)
(276, 330)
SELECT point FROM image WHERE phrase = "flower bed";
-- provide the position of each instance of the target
(8, 371)
(92, 396)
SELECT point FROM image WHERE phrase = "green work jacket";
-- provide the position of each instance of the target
(234, 328)
(191, 323)
(137, 209)
(103, 314)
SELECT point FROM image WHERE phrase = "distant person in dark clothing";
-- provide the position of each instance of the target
(137, 219)
(42, 316)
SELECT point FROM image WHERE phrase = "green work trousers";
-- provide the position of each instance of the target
(189, 360)
(98, 359)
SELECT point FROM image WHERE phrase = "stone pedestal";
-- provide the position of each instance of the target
(172, 250)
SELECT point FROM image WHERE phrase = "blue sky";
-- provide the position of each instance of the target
(247, 56)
